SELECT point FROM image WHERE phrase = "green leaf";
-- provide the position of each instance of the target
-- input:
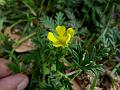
(48, 23)
(115, 69)
(2, 2)
(31, 5)
(94, 81)
(14, 67)
(45, 69)
(59, 18)
(2, 38)
(1, 24)
(53, 67)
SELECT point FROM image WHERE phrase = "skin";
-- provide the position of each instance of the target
(9, 81)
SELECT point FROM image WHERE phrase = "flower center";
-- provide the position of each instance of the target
(62, 40)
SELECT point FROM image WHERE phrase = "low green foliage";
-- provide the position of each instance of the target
(96, 40)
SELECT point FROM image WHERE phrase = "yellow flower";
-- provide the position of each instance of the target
(63, 36)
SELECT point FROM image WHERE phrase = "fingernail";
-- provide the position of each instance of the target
(22, 85)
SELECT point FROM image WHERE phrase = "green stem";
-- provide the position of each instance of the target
(31, 9)
(115, 69)
(17, 43)
(19, 21)
(31, 81)
(105, 8)
(77, 73)
(23, 39)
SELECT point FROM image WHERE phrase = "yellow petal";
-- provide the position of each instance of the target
(57, 45)
(51, 37)
(60, 30)
(68, 38)
(71, 31)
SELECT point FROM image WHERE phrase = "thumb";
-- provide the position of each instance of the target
(14, 82)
